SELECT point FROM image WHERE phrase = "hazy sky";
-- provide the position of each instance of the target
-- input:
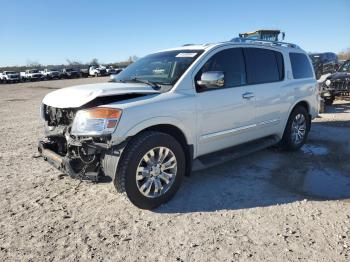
(49, 32)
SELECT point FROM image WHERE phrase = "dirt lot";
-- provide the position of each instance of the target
(272, 205)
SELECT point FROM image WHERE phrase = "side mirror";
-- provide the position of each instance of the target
(212, 79)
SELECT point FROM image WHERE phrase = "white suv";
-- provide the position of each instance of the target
(167, 113)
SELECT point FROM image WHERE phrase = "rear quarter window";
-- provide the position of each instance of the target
(301, 66)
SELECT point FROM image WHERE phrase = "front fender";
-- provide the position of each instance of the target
(163, 120)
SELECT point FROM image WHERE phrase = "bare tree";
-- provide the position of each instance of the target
(94, 62)
(74, 64)
(135, 58)
(132, 59)
(344, 54)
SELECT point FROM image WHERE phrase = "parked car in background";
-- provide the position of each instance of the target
(51, 74)
(324, 63)
(70, 73)
(97, 71)
(9, 77)
(111, 70)
(165, 114)
(337, 84)
(31, 75)
(114, 76)
(84, 72)
(118, 70)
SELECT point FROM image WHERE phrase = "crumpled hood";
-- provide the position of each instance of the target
(76, 96)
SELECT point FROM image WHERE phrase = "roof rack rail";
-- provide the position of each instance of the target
(264, 42)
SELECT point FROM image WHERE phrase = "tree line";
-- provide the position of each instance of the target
(70, 64)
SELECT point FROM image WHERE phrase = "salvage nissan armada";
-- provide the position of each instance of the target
(167, 113)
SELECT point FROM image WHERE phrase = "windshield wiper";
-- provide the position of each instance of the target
(155, 85)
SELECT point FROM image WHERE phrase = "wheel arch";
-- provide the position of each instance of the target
(179, 135)
(302, 103)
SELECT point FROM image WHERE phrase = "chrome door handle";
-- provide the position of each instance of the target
(248, 95)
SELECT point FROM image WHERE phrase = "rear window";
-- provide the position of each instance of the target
(300, 66)
(263, 65)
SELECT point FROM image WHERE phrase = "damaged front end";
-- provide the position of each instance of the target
(77, 141)
(80, 122)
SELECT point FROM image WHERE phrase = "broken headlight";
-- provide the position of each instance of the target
(96, 121)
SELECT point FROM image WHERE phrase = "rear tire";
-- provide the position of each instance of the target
(297, 129)
(134, 173)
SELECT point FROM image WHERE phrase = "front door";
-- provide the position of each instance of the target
(226, 115)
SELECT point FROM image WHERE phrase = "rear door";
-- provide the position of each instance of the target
(265, 74)
(226, 115)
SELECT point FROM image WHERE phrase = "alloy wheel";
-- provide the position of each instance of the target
(298, 129)
(156, 172)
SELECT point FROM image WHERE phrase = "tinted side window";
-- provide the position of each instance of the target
(300, 66)
(231, 63)
(263, 65)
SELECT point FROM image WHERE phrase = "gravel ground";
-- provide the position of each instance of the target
(272, 205)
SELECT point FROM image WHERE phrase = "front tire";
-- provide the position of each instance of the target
(297, 129)
(151, 169)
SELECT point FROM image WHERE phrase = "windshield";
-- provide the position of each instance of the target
(345, 67)
(33, 71)
(163, 68)
(10, 73)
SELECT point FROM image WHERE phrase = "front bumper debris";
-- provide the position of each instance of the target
(105, 162)
(65, 164)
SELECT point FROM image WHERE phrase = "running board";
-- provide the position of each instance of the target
(232, 153)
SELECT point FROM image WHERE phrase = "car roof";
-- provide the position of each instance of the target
(242, 42)
(248, 42)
